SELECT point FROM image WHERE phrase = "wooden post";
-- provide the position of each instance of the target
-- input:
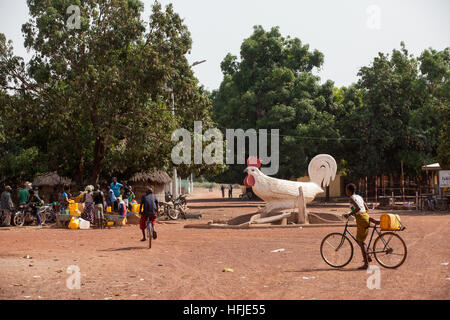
(417, 201)
(376, 191)
(366, 190)
(302, 217)
(403, 184)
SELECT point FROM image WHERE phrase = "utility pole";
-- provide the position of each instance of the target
(175, 185)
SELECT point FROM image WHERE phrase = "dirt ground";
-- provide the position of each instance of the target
(187, 263)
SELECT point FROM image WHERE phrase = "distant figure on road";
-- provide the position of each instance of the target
(230, 191)
(223, 190)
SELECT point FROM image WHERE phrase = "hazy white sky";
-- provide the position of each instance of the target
(348, 32)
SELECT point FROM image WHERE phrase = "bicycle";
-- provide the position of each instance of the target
(389, 249)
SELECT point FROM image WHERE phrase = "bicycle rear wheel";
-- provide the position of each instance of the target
(390, 250)
(336, 250)
(149, 235)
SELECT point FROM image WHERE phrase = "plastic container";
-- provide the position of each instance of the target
(390, 222)
(110, 223)
(74, 223)
(108, 209)
(135, 207)
(122, 223)
(84, 224)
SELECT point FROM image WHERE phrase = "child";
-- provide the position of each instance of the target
(360, 211)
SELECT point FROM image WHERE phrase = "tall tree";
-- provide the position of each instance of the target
(94, 96)
(272, 86)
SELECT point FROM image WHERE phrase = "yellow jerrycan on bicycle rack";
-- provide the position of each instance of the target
(390, 222)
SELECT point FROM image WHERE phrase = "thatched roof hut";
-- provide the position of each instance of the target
(50, 179)
(47, 181)
(156, 179)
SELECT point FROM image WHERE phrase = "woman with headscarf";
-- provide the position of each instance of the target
(88, 213)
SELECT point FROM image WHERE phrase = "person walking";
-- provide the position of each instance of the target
(223, 190)
(230, 191)
(148, 211)
(99, 201)
(6, 205)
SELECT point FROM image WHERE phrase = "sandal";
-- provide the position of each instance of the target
(364, 267)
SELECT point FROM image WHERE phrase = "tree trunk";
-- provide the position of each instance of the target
(99, 156)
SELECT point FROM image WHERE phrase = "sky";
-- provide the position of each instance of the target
(349, 33)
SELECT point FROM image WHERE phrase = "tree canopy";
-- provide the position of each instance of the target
(94, 97)
(397, 112)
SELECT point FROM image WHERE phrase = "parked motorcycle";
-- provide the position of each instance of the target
(172, 208)
(25, 215)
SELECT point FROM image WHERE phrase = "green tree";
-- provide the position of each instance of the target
(94, 97)
(272, 86)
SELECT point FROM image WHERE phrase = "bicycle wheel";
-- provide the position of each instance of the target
(390, 250)
(336, 250)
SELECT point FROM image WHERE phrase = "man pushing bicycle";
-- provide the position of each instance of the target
(360, 211)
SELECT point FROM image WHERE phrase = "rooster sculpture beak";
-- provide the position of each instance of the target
(245, 170)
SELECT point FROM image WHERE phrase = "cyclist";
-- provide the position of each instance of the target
(148, 211)
(360, 211)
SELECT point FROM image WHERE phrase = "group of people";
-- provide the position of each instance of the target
(230, 191)
(119, 197)
(27, 196)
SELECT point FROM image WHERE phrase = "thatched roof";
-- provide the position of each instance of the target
(159, 177)
(50, 179)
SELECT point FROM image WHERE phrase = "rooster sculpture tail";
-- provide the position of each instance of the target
(322, 169)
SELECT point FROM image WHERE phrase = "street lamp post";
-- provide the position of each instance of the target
(175, 177)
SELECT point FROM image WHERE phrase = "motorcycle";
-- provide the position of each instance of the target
(50, 213)
(172, 208)
(25, 215)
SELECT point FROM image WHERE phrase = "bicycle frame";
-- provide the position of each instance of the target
(368, 251)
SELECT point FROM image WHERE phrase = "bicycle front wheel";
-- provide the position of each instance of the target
(336, 250)
(390, 250)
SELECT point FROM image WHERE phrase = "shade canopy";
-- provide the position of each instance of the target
(431, 167)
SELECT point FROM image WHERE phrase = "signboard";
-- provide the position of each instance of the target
(444, 179)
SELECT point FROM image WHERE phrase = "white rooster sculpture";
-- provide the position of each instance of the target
(283, 194)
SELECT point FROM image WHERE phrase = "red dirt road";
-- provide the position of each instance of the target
(187, 263)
